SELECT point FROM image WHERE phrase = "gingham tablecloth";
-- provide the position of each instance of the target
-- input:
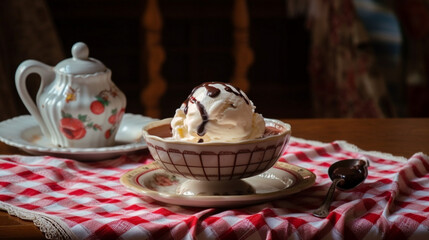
(74, 200)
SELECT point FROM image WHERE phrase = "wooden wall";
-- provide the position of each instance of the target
(197, 37)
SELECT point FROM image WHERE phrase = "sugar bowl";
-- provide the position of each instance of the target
(77, 104)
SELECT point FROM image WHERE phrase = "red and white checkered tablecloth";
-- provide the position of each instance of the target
(74, 200)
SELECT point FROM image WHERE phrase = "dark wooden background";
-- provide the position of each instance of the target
(197, 38)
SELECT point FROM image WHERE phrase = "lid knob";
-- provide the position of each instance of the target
(80, 51)
(80, 63)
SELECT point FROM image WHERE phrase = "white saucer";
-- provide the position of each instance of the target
(281, 180)
(24, 132)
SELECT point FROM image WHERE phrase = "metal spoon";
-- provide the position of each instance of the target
(345, 175)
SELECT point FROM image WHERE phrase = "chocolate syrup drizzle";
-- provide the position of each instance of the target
(237, 92)
(202, 128)
(212, 92)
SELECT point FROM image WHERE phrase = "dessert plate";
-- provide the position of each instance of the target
(24, 132)
(281, 180)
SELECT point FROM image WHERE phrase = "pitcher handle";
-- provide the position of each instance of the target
(47, 75)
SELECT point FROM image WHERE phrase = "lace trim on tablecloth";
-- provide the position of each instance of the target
(52, 227)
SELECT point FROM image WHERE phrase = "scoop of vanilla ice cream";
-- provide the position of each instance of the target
(216, 111)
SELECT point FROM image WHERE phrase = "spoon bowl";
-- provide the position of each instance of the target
(345, 175)
(353, 171)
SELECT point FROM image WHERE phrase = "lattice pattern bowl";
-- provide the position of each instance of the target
(216, 161)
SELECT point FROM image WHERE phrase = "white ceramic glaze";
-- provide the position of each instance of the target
(210, 188)
(24, 132)
(77, 105)
(216, 161)
(279, 181)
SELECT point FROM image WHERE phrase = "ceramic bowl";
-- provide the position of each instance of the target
(216, 161)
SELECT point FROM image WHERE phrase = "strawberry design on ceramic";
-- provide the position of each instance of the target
(75, 128)
(102, 101)
(121, 113)
(108, 133)
(114, 119)
(116, 116)
(97, 107)
(94, 126)
(72, 128)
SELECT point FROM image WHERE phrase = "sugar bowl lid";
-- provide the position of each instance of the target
(80, 63)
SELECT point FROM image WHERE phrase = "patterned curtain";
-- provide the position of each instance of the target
(368, 58)
(344, 79)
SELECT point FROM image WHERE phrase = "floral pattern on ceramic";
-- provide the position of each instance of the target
(78, 105)
(163, 181)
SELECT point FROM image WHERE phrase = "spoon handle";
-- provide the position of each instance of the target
(323, 210)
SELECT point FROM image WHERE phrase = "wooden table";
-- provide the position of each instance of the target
(400, 137)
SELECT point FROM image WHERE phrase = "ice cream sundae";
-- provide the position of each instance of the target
(217, 112)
